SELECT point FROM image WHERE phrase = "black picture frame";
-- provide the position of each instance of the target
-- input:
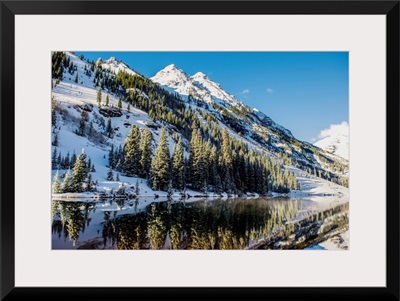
(9, 9)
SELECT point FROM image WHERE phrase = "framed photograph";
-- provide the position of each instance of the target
(195, 149)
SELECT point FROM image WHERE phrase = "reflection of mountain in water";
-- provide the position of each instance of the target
(217, 224)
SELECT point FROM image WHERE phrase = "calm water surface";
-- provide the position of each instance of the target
(174, 224)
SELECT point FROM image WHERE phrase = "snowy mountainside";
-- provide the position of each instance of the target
(335, 140)
(75, 94)
(72, 98)
(251, 124)
(199, 86)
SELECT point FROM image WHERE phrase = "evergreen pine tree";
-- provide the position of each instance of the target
(80, 171)
(89, 165)
(57, 184)
(226, 152)
(55, 139)
(53, 118)
(98, 97)
(213, 167)
(194, 156)
(59, 159)
(132, 152)
(178, 166)
(81, 130)
(66, 163)
(117, 177)
(54, 159)
(89, 185)
(169, 190)
(160, 164)
(76, 77)
(107, 100)
(67, 184)
(109, 129)
(226, 149)
(119, 104)
(71, 68)
(119, 153)
(128, 107)
(205, 162)
(91, 129)
(110, 175)
(145, 153)
(73, 160)
(111, 158)
(217, 184)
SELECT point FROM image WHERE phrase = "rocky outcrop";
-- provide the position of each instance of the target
(86, 107)
(110, 111)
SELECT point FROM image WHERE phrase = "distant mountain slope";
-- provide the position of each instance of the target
(250, 123)
(201, 87)
(335, 140)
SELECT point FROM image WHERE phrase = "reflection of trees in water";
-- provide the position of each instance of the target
(233, 224)
(157, 224)
(70, 218)
(108, 232)
(177, 226)
(217, 224)
(132, 232)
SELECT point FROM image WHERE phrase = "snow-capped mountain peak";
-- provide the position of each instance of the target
(172, 77)
(114, 65)
(199, 75)
(198, 85)
(335, 140)
(171, 67)
(111, 60)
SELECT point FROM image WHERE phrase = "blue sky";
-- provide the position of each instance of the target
(305, 92)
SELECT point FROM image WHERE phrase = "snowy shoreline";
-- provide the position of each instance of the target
(313, 189)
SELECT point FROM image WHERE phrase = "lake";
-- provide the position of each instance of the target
(205, 224)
